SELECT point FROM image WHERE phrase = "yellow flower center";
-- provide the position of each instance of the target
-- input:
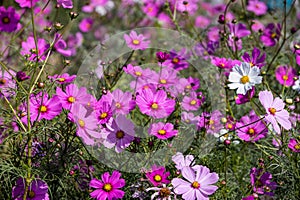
(161, 132)
(163, 81)
(154, 106)
(103, 115)
(118, 105)
(297, 146)
(120, 134)
(157, 178)
(273, 35)
(175, 60)
(211, 122)
(107, 187)
(193, 102)
(285, 77)
(272, 111)
(61, 79)
(245, 79)
(81, 123)
(251, 64)
(138, 73)
(5, 20)
(251, 131)
(2, 81)
(135, 42)
(222, 65)
(188, 87)
(71, 99)
(31, 194)
(195, 184)
(229, 126)
(43, 109)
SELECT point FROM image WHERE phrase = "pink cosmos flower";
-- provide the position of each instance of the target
(7, 83)
(182, 161)
(271, 34)
(86, 124)
(261, 181)
(61, 46)
(211, 122)
(166, 78)
(189, 6)
(294, 145)
(157, 176)
(103, 111)
(122, 102)
(138, 72)
(26, 3)
(237, 32)
(120, 134)
(241, 99)
(202, 22)
(135, 41)
(108, 187)
(9, 19)
(151, 9)
(65, 3)
(258, 7)
(86, 25)
(63, 78)
(197, 184)
(41, 107)
(177, 60)
(93, 5)
(191, 102)
(189, 118)
(251, 128)
(275, 111)
(285, 75)
(155, 104)
(29, 49)
(72, 95)
(162, 131)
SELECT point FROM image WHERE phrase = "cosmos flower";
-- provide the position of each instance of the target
(241, 99)
(37, 190)
(258, 7)
(26, 3)
(155, 104)
(157, 176)
(211, 122)
(285, 75)
(29, 49)
(161, 193)
(182, 161)
(275, 111)
(294, 145)
(135, 41)
(7, 83)
(244, 77)
(9, 19)
(197, 183)
(63, 78)
(108, 187)
(191, 103)
(261, 181)
(162, 131)
(65, 3)
(271, 34)
(86, 24)
(256, 59)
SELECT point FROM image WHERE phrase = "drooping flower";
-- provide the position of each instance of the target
(157, 176)
(163, 131)
(256, 59)
(72, 95)
(162, 193)
(9, 19)
(63, 78)
(271, 34)
(258, 7)
(285, 75)
(294, 145)
(120, 134)
(275, 111)
(251, 128)
(197, 183)
(244, 77)
(29, 49)
(261, 181)
(108, 187)
(41, 107)
(135, 41)
(155, 104)
(37, 190)
(21, 76)
(65, 3)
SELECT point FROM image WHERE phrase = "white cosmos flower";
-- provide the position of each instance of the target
(244, 77)
(296, 85)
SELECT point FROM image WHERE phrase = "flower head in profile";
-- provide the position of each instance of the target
(285, 75)
(37, 190)
(63, 78)
(243, 77)
(135, 41)
(157, 176)
(7, 83)
(108, 187)
(275, 112)
(9, 19)
(197, 183)
(294, 145)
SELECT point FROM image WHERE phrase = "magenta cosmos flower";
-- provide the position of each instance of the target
(261, 181)
(9, 19)
(275, 111)
(294, 145)
(155, 104)
(26, 3)
(65, 3)
(271, 35)
(7, 83)
(41, 107)
(157, 176)
(37, 190)
(86, 24)
(86, 124)
(256, 59)
(63, 78)
(258, 7)
(135, 41)
(108, 187)
(285, 75)
(211, 122)
(251, 128)
(29, 49)
(191, 102)
(163, 131)
(122, 102)
(72, 95)
(197, 184)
